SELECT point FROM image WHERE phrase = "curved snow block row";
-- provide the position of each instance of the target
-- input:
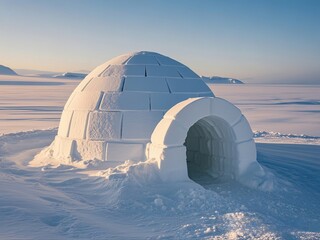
(85, 101)
(190, 111)
(124, 70)
(177, 85)
(65, 122)
(187, 72)
(162, 71)
(140, 124)
(125, 101)
(145, 84)
(225, 110)
(112, 70)
(124, 151)
(165, 61)
(104, 125)
(78, 125)
(242, 130)
(169, 132)
(105, 84)
(164, 101)
(246, 154)
(143, 60)
(88, 150)
(115, 61)
(171, 161)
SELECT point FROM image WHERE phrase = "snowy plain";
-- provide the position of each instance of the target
(131, 202)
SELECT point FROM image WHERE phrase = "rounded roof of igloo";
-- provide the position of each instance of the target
(121, 101)
(124, 98)
(143, 72)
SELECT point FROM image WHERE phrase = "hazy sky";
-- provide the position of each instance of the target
(271, 40)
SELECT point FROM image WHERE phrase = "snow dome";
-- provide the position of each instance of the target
(145, 105)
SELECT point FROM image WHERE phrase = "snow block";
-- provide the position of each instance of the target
(225, 110)
(162, 71)
(63, 148)
(125, 151)
(186, 72)
(169, 132)
(165, 61)
(105, 84)
(164, 101)
(85, 101)
(246, 154)
(65, 123)
(143, 59)
(140, 124)
(104, 125)
(101, 68)
(125, 101)
(191, 85)
(190, 111)
(113, 71)
(171, 162)
(89, 150)
(242, 130)
(78, 125)
(145, 84)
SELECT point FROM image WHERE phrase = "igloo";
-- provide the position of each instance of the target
(145, 105)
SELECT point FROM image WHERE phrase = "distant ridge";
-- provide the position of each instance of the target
(6, 71)
(71, 75)
(221, 80)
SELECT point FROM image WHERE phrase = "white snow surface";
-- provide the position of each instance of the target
(130, 201)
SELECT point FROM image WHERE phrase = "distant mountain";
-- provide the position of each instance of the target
(71, 75)
(221, 80)
(35, 73)
(6, 71)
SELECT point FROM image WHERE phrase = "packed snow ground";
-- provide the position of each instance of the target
(131, 202)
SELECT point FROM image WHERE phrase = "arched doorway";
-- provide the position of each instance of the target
(232, 150)
(209, 150)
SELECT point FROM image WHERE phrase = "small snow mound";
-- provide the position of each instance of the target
(6, 71)
(71, 75)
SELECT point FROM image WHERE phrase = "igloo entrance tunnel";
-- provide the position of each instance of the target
(145, 105)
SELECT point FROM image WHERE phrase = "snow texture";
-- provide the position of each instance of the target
(130, 201)
(120, 101)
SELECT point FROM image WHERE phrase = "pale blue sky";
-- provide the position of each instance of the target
(274, 40)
